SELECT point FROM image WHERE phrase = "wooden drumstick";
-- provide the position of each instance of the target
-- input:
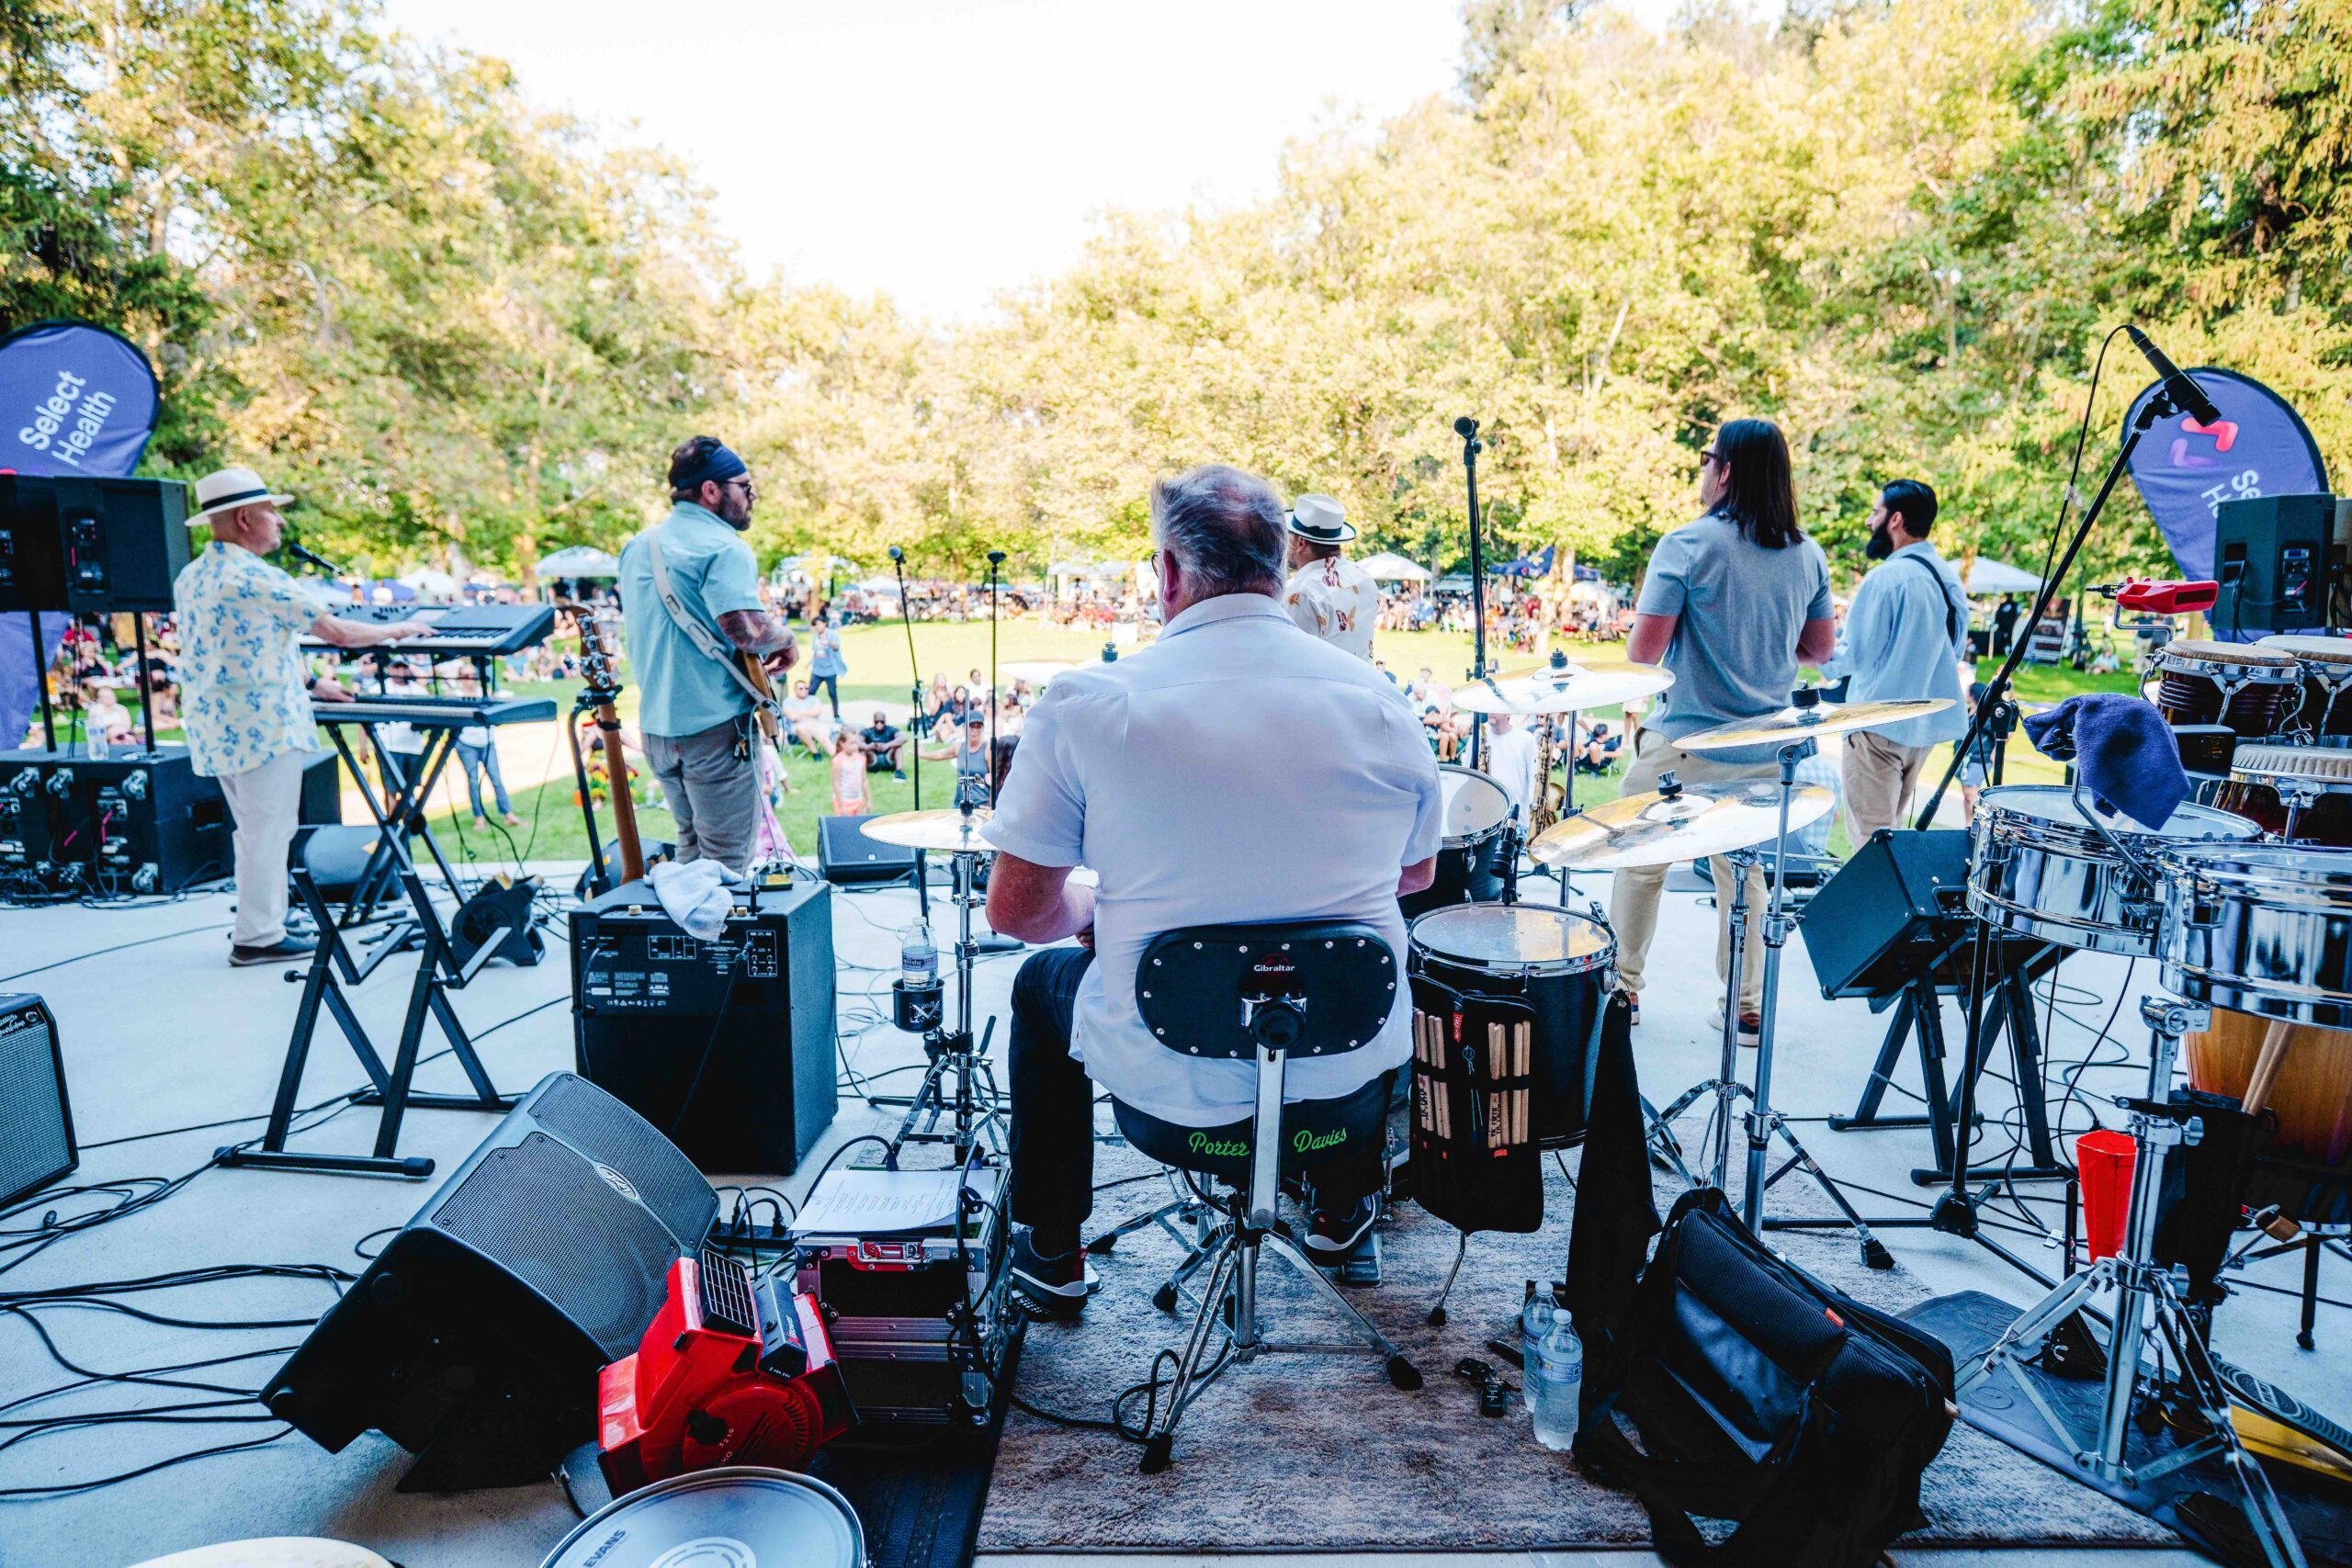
(2267, 1063)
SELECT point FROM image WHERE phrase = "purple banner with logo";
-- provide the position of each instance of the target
(75, 399)
(2185, 470)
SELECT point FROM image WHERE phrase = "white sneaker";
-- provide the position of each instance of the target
(1751, 1025)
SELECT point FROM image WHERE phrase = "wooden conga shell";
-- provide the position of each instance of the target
(2312, 1095)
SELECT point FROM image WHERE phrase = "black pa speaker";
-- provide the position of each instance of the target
(1890, 913)
(500, 912)
(35, 1121)
(845, 855)
(728, 1045)
(474, 1338)
(2274, 558)
(91, 546)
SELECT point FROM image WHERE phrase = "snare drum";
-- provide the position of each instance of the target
(1555, 960)
(1475, 812)
(2262, 929)
(2324, 667)
(2303, 792)
(2038, 867)
(2255, 691)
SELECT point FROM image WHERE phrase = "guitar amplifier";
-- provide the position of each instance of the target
(1891, 913)
(35, 1121)
(726, 1046)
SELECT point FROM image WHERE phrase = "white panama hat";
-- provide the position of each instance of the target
(225, 489)
(1322, 519)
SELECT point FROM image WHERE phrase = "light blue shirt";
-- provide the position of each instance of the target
(241, 623)
(1741, 608)
(1238, 770)
(827, 657)
(681, 690)
(1898, 642)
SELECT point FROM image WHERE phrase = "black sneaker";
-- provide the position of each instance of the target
(286, 950)
(1053, 1287)
(1344, 1241)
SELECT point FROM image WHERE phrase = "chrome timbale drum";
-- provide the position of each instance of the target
(2037, 867)
(1555, 960)
(2264, 929)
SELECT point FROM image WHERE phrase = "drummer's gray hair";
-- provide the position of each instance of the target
(1224, 526)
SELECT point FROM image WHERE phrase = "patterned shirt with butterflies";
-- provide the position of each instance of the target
(243, 702)
(1336, 600)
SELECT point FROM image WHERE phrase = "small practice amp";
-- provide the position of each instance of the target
(744, 1024)
(1890, 913)
(845, 855)
(139, 822)
(35, 1121)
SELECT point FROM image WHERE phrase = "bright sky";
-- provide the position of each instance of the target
(942, 151)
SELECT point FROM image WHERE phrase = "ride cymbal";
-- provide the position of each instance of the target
(1802, 723)
(1661, 830)
(945, 831)
(1577, 689)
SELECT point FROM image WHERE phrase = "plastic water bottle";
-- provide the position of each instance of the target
(918, 959)
(93, 742)
(1557, 1380)
(1534, 1322)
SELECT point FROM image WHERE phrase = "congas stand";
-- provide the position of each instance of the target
(2144, 1290)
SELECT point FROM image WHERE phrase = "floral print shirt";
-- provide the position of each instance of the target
(243, 702)
(1336, 600)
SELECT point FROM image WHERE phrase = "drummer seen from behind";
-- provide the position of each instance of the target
(1235, 771)
(1731, 603)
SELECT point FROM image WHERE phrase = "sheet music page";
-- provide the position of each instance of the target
(865, 1203)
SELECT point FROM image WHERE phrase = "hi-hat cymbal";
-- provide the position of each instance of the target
(1577, 689)
(948, 831)
(1800, 724)
(1656, 829)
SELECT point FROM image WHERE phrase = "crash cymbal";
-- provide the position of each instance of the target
(1798, 724)
(1575, 689)
(1660, 829)
(948, 831)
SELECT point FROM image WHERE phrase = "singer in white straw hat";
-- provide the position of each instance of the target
(1328, 596)
(245, 697)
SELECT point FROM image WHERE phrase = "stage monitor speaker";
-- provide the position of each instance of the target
(846, 856)
(36, 1120)
(1890, 913)
(474, 1338)
(91, 546)
(500, 911)
(135, 822)
(744, 1025)
(2275, 557)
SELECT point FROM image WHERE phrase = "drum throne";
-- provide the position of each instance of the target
(1268, 995)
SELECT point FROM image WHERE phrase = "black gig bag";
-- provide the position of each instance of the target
(1762, 1396)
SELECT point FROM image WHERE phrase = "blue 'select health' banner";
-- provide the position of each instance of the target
(2185, 470)
(75, 399)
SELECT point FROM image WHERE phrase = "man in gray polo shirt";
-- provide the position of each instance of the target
(1731, 603)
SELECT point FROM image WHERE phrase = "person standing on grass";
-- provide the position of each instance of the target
(852, 795)
(826, 667)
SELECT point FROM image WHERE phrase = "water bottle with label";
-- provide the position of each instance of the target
(918, 959)
(93, 742)
(1556, 1381)
(1534, 1322)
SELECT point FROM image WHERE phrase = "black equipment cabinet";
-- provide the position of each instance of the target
(743, 1025)
(846, 856)
(144, 822)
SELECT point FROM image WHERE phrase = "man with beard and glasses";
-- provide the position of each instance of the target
(1905, 637)
(690, 591)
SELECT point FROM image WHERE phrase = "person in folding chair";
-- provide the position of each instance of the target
(1237, 772)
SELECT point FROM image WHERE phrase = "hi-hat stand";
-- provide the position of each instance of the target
(951, 1051)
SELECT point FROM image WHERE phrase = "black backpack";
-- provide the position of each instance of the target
(1763, 1396)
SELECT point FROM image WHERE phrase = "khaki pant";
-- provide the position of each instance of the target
(1878, 778)
(263, 804)
(713, 795)
(1632, 902)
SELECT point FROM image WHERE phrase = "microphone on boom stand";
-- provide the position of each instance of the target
(996, 941)
(1467, 428)
(913, 738)
(2179, 386)
(310, 558)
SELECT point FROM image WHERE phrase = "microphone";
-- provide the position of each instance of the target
(996, 558)
(896, 554)
(2178, 385)
(310, 558)
(1466, 427)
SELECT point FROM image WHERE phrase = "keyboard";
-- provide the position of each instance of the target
(457, 629)
(436, 713)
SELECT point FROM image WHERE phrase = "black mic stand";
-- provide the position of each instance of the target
(1955, 1212)
(913, 739)
(1467, 428)
(994, 941)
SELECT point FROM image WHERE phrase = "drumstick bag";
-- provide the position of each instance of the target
(1473, 1163)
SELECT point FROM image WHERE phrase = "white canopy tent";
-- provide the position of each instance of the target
(1390, 566)
(1989, 576)
(580, 560)
(431, 582)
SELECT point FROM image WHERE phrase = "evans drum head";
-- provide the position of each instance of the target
(740, 1517)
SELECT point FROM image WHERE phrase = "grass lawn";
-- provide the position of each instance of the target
(878, 671)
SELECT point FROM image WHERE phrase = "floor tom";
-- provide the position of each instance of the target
(2038, 867)
(1476, 811)
(1556, 961)
(2255, 691)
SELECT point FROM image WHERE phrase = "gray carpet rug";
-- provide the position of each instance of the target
(1320, 1453)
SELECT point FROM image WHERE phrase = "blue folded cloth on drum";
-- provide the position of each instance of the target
(2123, 750)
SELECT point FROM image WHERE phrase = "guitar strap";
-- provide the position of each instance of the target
(697, 632)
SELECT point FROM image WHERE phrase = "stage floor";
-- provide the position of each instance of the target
(160, 1032)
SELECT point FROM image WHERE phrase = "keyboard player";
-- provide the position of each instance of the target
(245, 697)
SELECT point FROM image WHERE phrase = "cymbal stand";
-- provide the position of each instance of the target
(1763, 1123)
(911, 741)
(2142, 1286)
(950, 1050)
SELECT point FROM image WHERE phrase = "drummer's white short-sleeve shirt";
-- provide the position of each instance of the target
(1237, 771)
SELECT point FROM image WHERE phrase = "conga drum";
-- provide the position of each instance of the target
(2255, 691)
(2302, 793)
(2312, 1095)
(2324, 664)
